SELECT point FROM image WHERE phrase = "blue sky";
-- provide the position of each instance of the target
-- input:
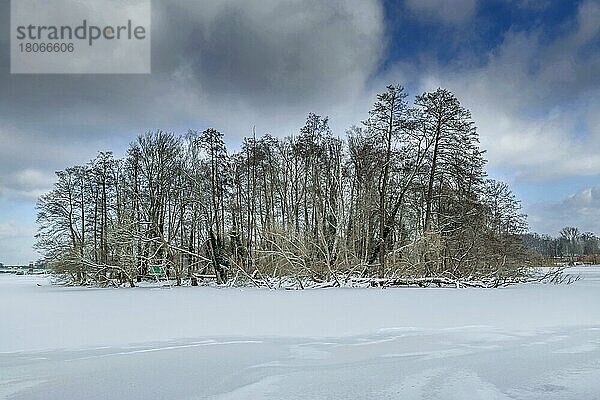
(476, 31)
(527, 69)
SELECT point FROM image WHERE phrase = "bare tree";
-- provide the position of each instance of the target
(403, 200)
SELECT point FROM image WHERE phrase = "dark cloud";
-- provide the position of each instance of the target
(230, 64)
(227, 63)
(263, 54)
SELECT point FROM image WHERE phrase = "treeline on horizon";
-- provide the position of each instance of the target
(569, 243)
(402, 199)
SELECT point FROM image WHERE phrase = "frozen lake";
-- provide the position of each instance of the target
(526, 342)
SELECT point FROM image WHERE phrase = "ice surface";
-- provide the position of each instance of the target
(522, 342)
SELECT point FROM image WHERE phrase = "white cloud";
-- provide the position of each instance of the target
(13, 230)
(581, 210)
(531, 4)
(28, 160)
(448, 12)
(588, 17)
(535, 103)
(230, 64)
(15, 243)
(32, 179)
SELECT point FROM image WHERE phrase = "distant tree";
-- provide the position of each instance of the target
(589, 243)
(571, 239)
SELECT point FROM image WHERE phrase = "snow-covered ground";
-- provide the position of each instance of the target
(525, 342)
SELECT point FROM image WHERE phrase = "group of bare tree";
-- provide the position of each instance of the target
(570, 242)
(403, 199)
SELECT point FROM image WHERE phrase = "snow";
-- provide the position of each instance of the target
(523, 342)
